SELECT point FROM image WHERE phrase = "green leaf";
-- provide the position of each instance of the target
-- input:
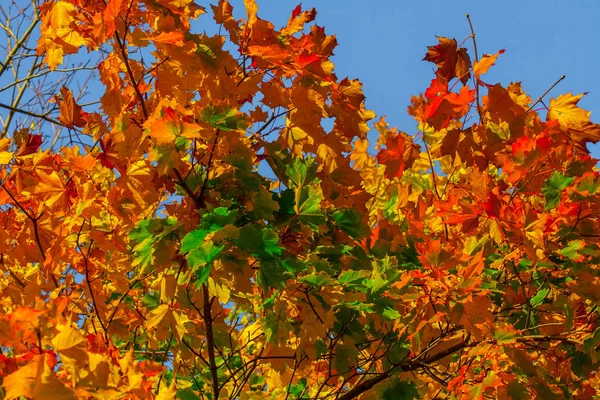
(395, 389)
(218, 218)
(264, 206)
(573, 249)
(202, 276)
(273, 273)
(351, 222)
(301, 171)
(151, 300)
(360, 306)
(308, 206)
(592, 341)
(390, 313)
(588, 184)
(539, 297)
(203, 255)
(226, 119)
(286, 200)
(518, 391)
(344, 359)
(299, 388)
(209, 223)
(553, 188)
(317, 279)
(193, 240)
(351, 277)
(148, 234)
(270, 301)
(186, 394)
(263, 243)
(581, 363)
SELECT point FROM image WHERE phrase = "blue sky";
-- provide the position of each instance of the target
(382, 42)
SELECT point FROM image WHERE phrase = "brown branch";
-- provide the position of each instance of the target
(17, 100)
(131, 77)
(181, 182)
(210, 342)
(273, 118)
(369, 383)
(196, 353)
(114, 312)
(88, 282)
(544, 338)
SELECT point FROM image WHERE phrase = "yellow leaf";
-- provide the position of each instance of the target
(5, 157)
(220, 291)
(167, 392)
(70, 37)
(360, 154)
(69, 342)
(295, 138)
(54, 57)
(565, 110)
(251, 9)
(35, 381)
(157, 315)
(327, 157)
(574, 120)
(179, 322)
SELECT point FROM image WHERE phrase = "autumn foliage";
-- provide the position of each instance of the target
(219, 225)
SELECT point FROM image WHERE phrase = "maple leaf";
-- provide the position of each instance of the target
(452, 62)
(298, 19)
(71, 114)
(399, 154)
(575, 120)
(474, 315)
(174, 38)
(29, 145)
(482, 66)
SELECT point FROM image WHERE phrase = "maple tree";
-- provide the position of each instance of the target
(146, 251)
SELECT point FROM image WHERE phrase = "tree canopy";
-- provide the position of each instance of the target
(220, 223)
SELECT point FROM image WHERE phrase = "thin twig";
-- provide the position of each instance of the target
(546, 92)
(476, 60)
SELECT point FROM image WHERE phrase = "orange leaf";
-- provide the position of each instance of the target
(482, 66)
(71, 114)
(174, 38)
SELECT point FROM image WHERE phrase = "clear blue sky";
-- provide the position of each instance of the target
(382, 42)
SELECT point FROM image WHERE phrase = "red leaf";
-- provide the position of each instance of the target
(297, 11)
(29, 146)
(399, 154)
(307, 58)
(452, 62)
(492, 205)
